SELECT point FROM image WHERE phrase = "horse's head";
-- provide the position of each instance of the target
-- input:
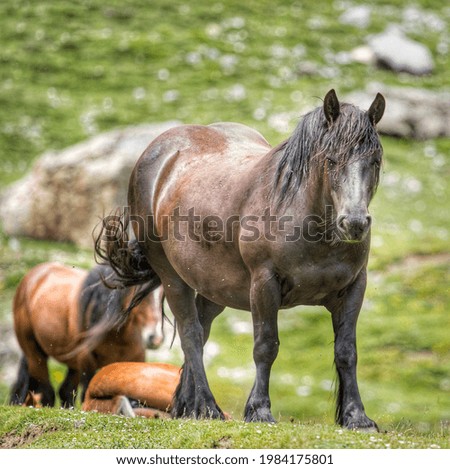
(148, 317)
(351, 153)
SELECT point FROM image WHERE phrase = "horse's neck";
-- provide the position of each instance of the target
(310, 199)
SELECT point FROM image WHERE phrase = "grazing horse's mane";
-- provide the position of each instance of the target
(314, 140)
(95, 295)
(102, 288)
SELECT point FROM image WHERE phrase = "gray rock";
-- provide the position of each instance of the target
(67, 193)
(358, 16)
(410, 112)
(395, 51)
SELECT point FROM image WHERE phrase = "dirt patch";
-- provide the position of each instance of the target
(15, 440)
(225, 442)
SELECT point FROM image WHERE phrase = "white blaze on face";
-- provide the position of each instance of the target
(152, 333)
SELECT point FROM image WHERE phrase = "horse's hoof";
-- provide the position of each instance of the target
(205, 412)
(365, 425)
(124, 407)
(259, 415)
(363, 429)
(211, 412)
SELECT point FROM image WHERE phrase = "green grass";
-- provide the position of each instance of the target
(69, 70)
(404, 321)
(50, 428)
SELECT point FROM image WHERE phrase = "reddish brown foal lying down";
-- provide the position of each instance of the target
(133, 389)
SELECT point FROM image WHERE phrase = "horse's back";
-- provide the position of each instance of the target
(41, 279)
(190, 157)
(240, 134)
(44, 304)
(51, 280)
(202, 140)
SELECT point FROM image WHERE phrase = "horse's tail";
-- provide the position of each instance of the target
(123, 265)
(20, 387)
(126, 258)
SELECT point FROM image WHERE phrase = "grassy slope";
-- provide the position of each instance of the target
(71, 70)
(49, 428)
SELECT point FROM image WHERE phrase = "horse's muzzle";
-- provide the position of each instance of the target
(353, 229)
(153, 341)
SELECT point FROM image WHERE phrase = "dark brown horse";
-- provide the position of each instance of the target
(223, 220)
(55, 305)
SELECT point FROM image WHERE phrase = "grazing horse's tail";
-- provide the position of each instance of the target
(126, 258)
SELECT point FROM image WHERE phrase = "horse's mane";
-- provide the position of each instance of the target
(96, 298)
(313, 140)
(101, 307)
(102, 298)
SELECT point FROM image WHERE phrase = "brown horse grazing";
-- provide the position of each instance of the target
(55, 305)
(218, 212)
(133, 389)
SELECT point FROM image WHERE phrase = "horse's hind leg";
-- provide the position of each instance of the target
(19, 389)
(44, 388)
(207, 311)
(69, 387)
(200, 403)
(38, 371)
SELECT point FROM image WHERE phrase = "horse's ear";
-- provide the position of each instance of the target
(331, 106)
(376, 109)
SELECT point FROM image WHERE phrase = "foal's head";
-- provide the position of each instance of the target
(147, 317)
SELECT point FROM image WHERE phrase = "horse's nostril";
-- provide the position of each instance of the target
(153, 341)
(355, 227)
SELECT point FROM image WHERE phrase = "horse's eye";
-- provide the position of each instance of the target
(331, 162)
(376, 163)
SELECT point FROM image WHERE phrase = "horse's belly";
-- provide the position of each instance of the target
(313, 284)
(222, 279)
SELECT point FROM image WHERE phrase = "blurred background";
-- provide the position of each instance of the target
(86, 85)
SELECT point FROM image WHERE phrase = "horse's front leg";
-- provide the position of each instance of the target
(345, 310)
(265, 300)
